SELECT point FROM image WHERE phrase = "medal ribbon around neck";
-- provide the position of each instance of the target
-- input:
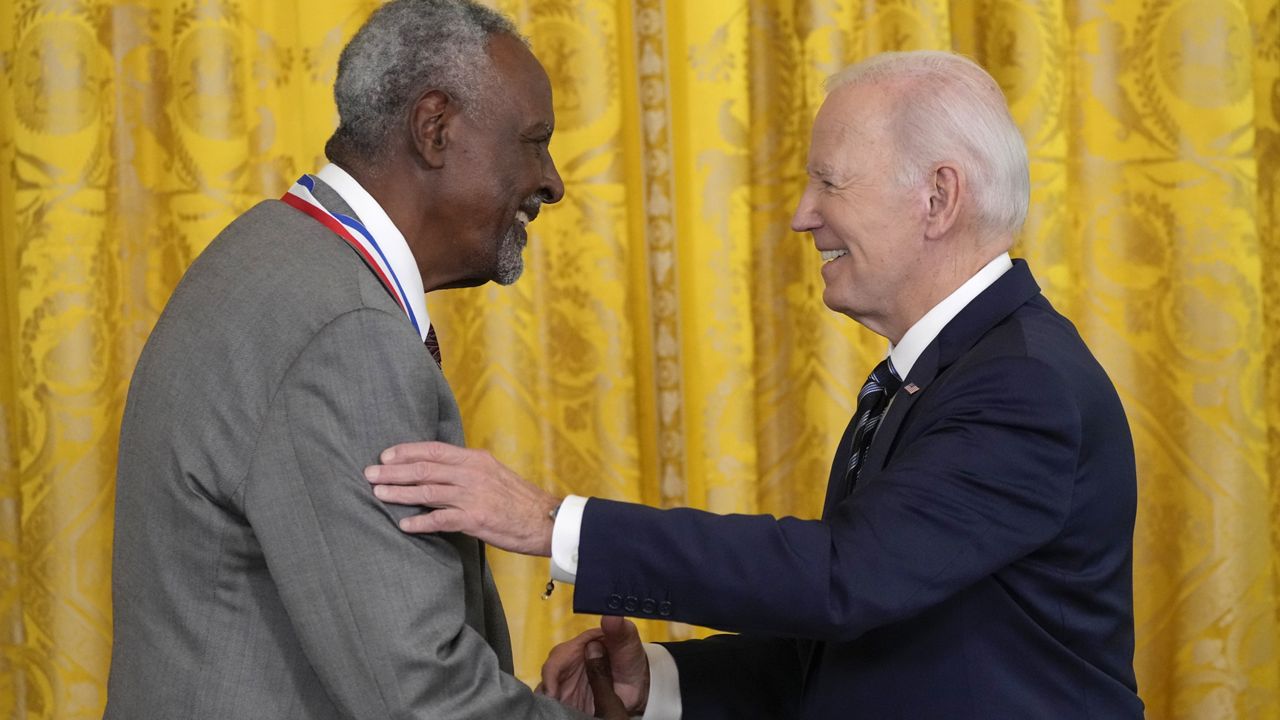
(300, 198)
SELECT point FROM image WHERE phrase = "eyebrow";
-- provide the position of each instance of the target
(540, 129)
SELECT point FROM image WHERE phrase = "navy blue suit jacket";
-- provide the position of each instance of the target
(980, 568)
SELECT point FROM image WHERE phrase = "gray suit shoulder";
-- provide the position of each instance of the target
(241, 315)
(265, 286)
(275, 253)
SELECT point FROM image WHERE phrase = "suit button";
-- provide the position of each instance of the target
(615, 602)
(631, 604)
(664, 609)
(648, 606)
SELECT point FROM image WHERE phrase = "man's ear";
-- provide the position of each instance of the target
(429, 124)
(945, 187)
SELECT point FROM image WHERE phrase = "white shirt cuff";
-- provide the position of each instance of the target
(564, 540)
(664, 685)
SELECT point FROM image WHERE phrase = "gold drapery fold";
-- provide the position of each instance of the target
(668, 343)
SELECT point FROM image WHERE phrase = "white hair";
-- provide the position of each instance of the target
(950, 109)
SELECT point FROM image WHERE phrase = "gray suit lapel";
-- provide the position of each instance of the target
(333, 202)
(330, 199)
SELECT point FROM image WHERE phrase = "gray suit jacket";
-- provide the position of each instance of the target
(255, 574)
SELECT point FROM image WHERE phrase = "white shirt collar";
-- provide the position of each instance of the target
(918, 336)
(389, 238)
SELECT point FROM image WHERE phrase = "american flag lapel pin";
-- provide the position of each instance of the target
(911, 388)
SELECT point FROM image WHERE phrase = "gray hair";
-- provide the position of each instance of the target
(953, 110)
(404, 49)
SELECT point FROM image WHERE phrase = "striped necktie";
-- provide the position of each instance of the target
(433, 345)
(873, 399)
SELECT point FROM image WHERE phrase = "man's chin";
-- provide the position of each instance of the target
(836, 302)
(510, 264)
(508, 275)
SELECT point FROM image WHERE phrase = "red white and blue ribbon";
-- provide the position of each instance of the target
(300, 197)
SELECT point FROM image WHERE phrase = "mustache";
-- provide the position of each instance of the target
(531, 206)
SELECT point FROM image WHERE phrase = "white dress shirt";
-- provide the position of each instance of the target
(664, 677)
(389, 238)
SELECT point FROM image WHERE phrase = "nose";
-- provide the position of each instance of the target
(806, 218)
(552, 186)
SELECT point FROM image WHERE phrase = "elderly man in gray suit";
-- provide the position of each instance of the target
(256, 575)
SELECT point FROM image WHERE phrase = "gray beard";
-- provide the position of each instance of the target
(510, 256)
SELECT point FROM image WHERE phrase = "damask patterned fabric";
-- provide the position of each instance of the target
(668, 343)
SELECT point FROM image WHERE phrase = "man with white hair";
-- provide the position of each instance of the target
(974, 556)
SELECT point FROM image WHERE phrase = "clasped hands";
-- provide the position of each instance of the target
(604, 671)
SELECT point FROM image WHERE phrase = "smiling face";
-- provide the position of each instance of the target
(501, 170)
(869, 229)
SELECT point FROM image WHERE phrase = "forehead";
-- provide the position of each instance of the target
(523, 84)
(852, 117)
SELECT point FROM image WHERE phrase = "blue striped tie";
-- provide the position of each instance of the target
(874, 397)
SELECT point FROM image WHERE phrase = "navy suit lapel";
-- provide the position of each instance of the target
(922, 373)
(1011, 291)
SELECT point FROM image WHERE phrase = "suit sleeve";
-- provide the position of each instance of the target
(381, 615)
(988, 481)
(731, 677)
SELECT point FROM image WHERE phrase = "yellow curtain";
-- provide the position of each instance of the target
(668, 343)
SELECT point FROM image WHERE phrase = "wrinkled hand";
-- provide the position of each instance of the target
(472, 492)
(566, 673)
